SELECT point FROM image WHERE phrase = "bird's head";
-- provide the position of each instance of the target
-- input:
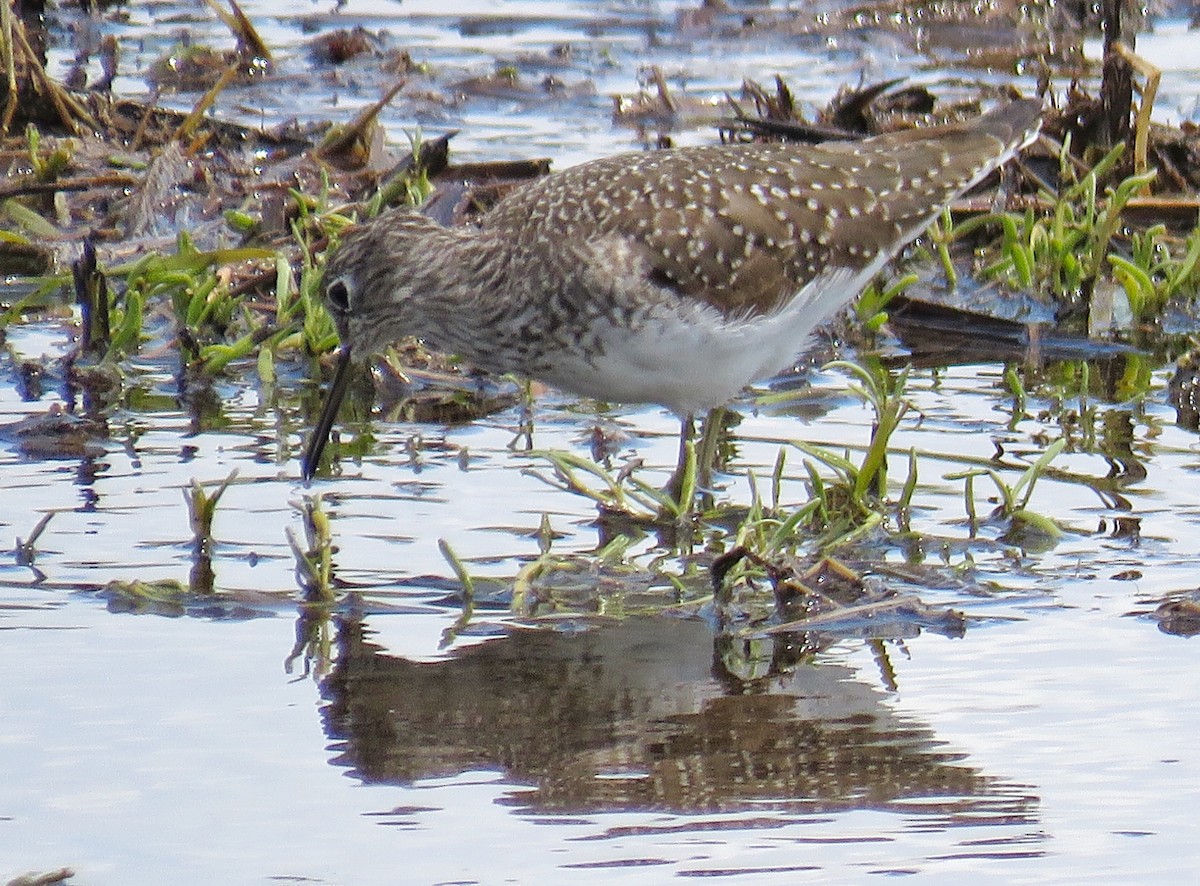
(368, 284)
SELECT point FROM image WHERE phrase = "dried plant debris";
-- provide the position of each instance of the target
(172, 598)
(830, 598)
(56, 434)
(340, 46)
(1177, 613)
(414, 384)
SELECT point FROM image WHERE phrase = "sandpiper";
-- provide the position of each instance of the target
(674, 277)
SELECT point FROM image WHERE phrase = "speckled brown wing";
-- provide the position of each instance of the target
(744, 227)
(787, 215)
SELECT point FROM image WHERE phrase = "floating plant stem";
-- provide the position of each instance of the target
(202, 508)
(314, 563)
(1015, 498)
(26, 549)
(91, 295)
(468, 594)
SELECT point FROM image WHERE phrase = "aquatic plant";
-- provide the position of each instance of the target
(202, 509)
(621, 491)
(1152, 275)
(1013, 508)
(26, 549)
(467, 583)
(314, 558)
(854, 499)
(1065, 249)
(871, 308)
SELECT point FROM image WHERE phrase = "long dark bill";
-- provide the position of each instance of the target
(329, 412)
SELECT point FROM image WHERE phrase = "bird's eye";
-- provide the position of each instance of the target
(338, 294)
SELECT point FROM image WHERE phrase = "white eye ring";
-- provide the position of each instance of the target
(337, 293)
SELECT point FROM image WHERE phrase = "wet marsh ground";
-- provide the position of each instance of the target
(222, 730)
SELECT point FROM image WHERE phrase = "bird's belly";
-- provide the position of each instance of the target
(688, 356)
(687, 367)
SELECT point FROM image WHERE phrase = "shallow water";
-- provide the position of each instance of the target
(1054, 741)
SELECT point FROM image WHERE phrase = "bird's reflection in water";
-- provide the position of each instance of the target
(645, 715)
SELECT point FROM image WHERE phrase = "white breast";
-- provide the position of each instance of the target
(695, 359)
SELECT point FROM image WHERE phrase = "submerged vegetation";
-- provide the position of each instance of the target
(230, 284)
